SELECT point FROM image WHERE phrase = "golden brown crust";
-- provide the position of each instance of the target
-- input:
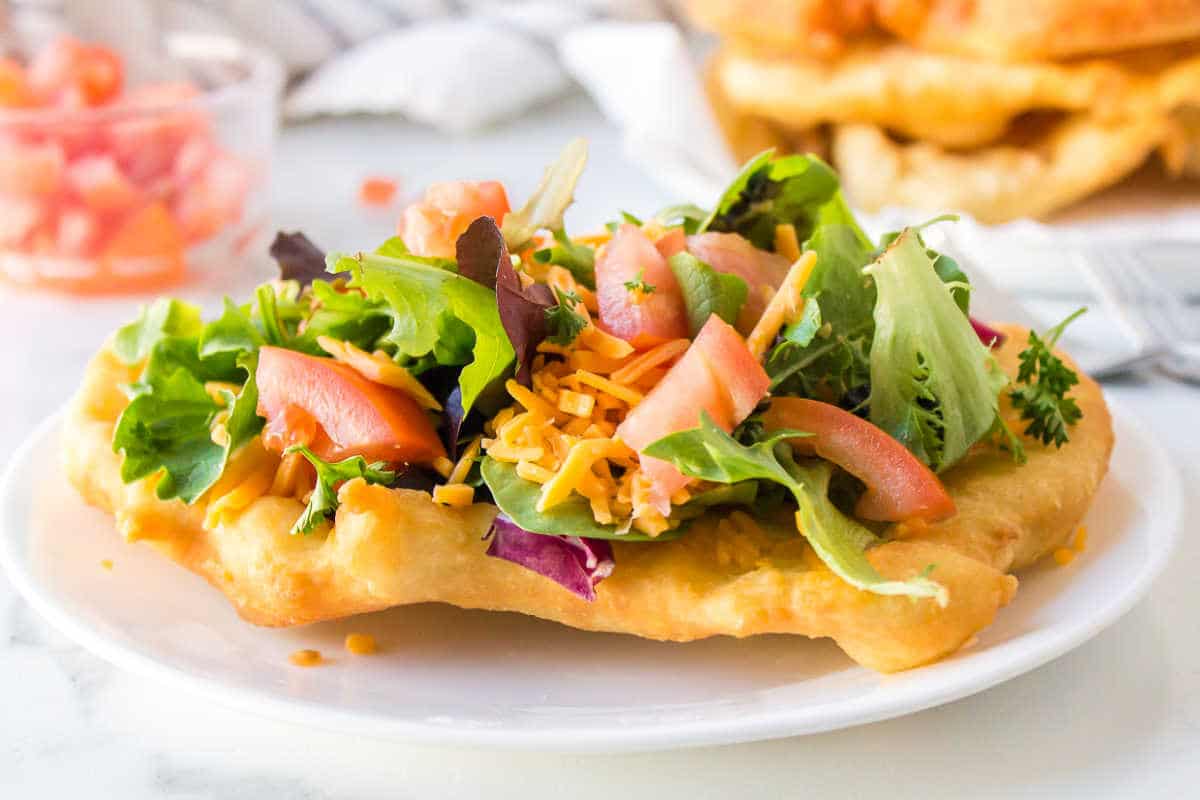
(393, 547)
(1007, 30)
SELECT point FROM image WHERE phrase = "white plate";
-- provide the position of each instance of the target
(505, 680)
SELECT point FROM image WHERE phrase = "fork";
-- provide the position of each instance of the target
(1165, 330)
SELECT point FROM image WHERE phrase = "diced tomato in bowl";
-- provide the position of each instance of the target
(107, 184)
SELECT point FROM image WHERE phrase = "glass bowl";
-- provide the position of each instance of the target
(167, 183)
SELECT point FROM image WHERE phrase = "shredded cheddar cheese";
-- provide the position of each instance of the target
(559, 433)
(360, 644)
(250, 475)
(454, 494)
(1064, 556)
(787, 244)
(785, 306)
(306, 658)
(665, 353)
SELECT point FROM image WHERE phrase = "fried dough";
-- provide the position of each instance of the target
(1010, 30)
(1073, 160)
(949, 100)
(391, 547)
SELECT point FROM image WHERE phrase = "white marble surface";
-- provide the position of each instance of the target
(1119, 717)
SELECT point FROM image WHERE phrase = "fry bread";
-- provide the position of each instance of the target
(730, 576)
(950, 100)
(1008, 30)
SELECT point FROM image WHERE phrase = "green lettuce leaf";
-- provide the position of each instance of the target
(164, 317)
(233, 332)
(841, 543)
(578, 259)
(825, 353)
(768, 192)
(425, 304)
(545, 207)
(167, 426)
(934, 385)
(518, 498)
(706, 291)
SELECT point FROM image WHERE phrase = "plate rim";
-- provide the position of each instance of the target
(772, 723)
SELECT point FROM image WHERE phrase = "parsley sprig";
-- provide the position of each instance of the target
(563, 324)
(639, 284)
(1043, 382)
(323, 502)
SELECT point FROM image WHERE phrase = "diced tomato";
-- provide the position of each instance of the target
(899, 486)
(672, 242)
(432, 226)
(78, 233)
(146, 247)
(718, 375)
(376, 191)
(99, 75)
(148, 144)
(213, 200)
(356, 416)
(14, 86)
(19, 216)
(100, 184)
(735, 255)
(69, 73)
(30, 169)
(642, 319)
(289, 427)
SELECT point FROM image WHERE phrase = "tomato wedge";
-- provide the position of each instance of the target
(718, 375)
(899, 486)
(730, 253)
(642, 319)
(432, 226)
(353, 416)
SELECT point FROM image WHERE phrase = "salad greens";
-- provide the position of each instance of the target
(563, 324)
(164, 317)
(425, 302)
(1043, 381)
(518, 498)
(824, 354)
(545, 207)
(770, 191)
(578, 259)
(934, 386)
(711, 454)
(168, 426)
(323, 502)
(706, 291)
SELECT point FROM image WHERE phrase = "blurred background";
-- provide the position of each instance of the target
(149, 146)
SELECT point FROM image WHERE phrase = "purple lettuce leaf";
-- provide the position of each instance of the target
(454, 415)
(482, 253)
(987, 334)
(575, 563)
(299, 259)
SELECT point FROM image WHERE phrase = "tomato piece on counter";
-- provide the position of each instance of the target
(718, 375)
(432, 226)
(355, 416)
(899, 486)
(376, 191)
(643, 319)
(735, 255)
